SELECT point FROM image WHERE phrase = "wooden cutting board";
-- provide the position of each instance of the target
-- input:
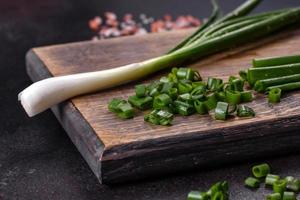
(119, 150)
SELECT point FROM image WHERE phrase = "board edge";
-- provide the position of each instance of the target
(65, 113)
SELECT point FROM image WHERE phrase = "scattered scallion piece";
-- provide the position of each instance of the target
(274, 95)
(293, 184)
(261, 170)
(200, 107)
(196, 195)
(271, 179)
(122, 108)
(140, 90)
(161, 101)
(221, 111)
(214, 84)
(159, 117)
(252, 182)
(289, 196)
(274, 196)
(245, 111)
(211, 101)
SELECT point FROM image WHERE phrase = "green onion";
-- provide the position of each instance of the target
(161, 101)
(167, 87)
(245, 111)
(261, 170)
(271, 179)
(184, 108)
(123, 109)
(218, 196)
(243, 75)
(274, 196)
(214, 189)
(221, 96)
(286, 87)
(184, 87)
(252, 182)
(173, 93)
(200, 107)
(289, 196)
(214, 84)
(236, 85)
(292, 184)
(113, 104)
(262, 85)
(246, 96)
(211, 101)
(196, 195)
(279, 186)
(256, 74)
(274, 95)
(140, 90)
(142, 103)
(233, 97)
(275, 61)
(221, 111)
(159, 117)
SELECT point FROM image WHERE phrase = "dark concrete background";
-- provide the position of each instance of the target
(37, 159)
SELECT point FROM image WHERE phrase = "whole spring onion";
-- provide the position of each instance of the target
(285, 87)
(46, 93)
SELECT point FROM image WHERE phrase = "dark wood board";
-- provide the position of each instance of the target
(120, 150)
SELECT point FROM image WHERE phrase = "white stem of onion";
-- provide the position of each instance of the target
(48, 92)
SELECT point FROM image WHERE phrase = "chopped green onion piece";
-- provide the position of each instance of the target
(161, 101)
(198, 83)
(289, 196)
(201, 89)
(173, 93)
(221, 111)
(140, 90)
(113, 104)
(185, 73)
(243, 75)
(196, 195)
(275, 61)
(200, 107)
(252, 182)
(246, 96)
(184, 87)
(214, 84)
(211, 101)
(186, 97)
(184, 108)
(233, 97)
(225, 186)
(221, 96)
(245, 111)
(271, 179)
(125, 111)
(142, 103)
(159, 117)
(292, 184)
(218, 196)
(236, 85)
(164, 79)
(166, 87)
(214, 189)
(274, 95)
(261, 170)
(279, 186)
(274, 196)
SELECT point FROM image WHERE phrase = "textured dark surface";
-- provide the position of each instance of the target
(37, 159)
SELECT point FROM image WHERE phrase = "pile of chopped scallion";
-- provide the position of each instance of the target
(283, 188)
(184, 92)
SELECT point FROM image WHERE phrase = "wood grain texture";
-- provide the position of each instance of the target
(132, 149)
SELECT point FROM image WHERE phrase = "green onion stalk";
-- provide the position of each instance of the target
(223, 35)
